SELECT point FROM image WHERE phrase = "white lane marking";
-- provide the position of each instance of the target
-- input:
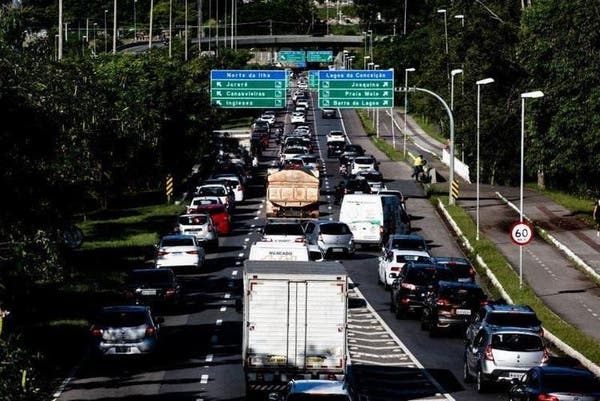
(66, 381)
(223, 309)
(204, 379)
(209, 358)
(234, 273)
(219, 322)
(227, 296)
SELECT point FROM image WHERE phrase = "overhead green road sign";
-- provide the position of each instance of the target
(319, 56)
(356, 88)
(292, 56)
(248, 88)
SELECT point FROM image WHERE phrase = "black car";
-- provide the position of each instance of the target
(413, 283)
(152, 287)
(354, 148)
(351, 185)
(451, 306)
(556, 383)
(335, 148)
(460, 266)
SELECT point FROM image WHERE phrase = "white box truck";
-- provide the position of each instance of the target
(294, 323)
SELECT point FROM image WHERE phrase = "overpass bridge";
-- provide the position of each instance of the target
(275, 42)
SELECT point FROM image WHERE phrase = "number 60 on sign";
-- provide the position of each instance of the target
(521, 233)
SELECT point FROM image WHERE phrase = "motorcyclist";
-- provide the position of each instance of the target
(417, 167)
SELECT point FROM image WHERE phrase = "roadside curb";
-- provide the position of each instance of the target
(547, 334)
(552, 240)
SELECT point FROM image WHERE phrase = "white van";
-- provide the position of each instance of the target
(290, 251)
(370, 218)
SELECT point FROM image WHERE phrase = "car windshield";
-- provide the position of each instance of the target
(412, 258)
(193, 220)
(211, 191)
(570, 383)
(372, 177)
(283, 229)
(213, 210)
(409, 243)
(122, 318)
(177, 242)
(150, 276)
(200, 202)
(357, 184)
(513, 319)
(335, 229)
(421, 276)
(363, 160)
(461, 294)
(517, 342)
(309, 159)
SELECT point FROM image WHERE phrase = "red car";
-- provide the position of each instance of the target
(219, 215)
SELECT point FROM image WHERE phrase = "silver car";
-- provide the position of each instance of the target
(502, 354)
(125, 330)
(200, 226)
(332, 237)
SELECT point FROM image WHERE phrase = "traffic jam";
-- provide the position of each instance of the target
(346, 290)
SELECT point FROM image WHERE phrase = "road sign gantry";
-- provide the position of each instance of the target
(356, 88)
(248, 88)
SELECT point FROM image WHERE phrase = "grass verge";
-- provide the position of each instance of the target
(580, 207)
(381, 144)
(429, 127)
(509, 280)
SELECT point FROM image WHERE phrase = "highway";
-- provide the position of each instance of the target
(200, 354)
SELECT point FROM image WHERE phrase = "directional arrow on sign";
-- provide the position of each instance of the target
(325, 93)
(219, 93)
(326, 84)
(218, 83)
(282, 57)
(385, 84)
(218, 102)
(278, 84)
(278, 103)
(278, 93)
(385, 103)
(325, 103)
(385, 93)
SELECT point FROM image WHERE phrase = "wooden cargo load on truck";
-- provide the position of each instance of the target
(292, 193)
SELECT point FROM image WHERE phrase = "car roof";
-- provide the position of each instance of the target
(193, 214)
(152, 270)
(458, 284)
(407, 236)
(410, 252)
(450, 260)
(563, 370)
(177, 236)
(508, 308)
(318, 387)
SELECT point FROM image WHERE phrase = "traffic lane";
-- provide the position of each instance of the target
(197, 353)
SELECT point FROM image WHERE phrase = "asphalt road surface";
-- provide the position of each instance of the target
(200, 353)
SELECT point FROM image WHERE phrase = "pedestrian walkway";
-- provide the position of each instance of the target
(569, 292)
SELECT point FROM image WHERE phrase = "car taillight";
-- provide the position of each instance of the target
(150, 331)
(442, 301)
(408, 286)
(546, 356)
(395, 269)
(546, 397)
(472, 272)
(162, 253)
(381, 229)
(96, 332)
(489, 356)
(194, 252)
(483, 302)
(240, 188)
(299, 240)
(170, 292)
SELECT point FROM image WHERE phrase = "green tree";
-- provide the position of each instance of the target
(560, 49)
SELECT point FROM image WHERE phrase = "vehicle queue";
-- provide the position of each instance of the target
(503, 343)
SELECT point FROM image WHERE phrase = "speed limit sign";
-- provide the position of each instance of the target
(521, 233)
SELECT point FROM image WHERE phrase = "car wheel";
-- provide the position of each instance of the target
(481, 384)
(467, 378)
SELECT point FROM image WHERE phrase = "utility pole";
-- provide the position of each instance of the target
(185, 34)
(150, 30)
(114, 49)
(60, 28)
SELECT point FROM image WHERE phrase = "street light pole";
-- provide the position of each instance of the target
(150, 28)
(452, 74)
(370, 32)
(461, 17)
(134, 22)
(443, 11)
(530, 95)
(105, 33)
(60, 32)
(406, 71)
(404, 17)
(365, 58)
(185, 33)
(479, 83)
(170, 27)
(114, 44)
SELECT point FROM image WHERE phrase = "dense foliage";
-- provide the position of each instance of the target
(552, 46)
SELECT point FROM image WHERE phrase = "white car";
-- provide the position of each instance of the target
(200, 226)
(201, 201)
(293, 152)
(302, 102)
(298, 118)
(237, 187)
(268, 116)
(392, 263)
(302, 85)
(336, 136)
(363, 163)
(374, 178)
(283, 231)
(297, 94)
(179, 251)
